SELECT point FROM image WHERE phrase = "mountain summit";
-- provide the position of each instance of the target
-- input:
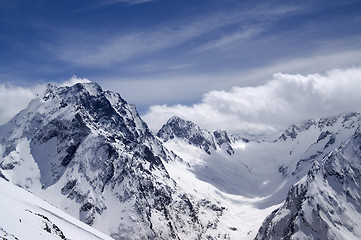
(180, 128)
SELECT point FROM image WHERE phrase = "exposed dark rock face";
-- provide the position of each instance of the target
(189, 131)
(325, 204)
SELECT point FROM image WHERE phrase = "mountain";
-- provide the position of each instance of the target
(25, 216)
(258, 167)
(87, 152)
(262, 171)
(326, 203)
(180, 128)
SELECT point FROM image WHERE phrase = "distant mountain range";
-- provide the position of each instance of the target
(88, 153)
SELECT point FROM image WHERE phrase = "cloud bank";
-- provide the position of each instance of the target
(285, 99)
(13, 99)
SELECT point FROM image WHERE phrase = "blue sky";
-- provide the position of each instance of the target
(157, 52)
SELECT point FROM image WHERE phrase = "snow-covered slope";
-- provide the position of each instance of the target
(25, 216)
(89, 153)
(257, 168)
(326, 203)
(260, 171)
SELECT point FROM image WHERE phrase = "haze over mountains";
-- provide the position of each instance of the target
(87, 152)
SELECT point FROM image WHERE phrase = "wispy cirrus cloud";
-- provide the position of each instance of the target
(103, 49)
(93, 5)
(228, 40)
(131, 2)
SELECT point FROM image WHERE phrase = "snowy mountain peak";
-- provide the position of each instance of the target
(178, 127)
(193, 134)
(99, 109)
(90, 88)
(342, 121)
(325, 204)
(88, 152)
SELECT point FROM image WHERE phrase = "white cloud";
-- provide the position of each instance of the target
(188, 87)
(286, 99)
(13, 99)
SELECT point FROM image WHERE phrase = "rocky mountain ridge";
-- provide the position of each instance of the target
(321, 176)
(202, 138)
(325, 204)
